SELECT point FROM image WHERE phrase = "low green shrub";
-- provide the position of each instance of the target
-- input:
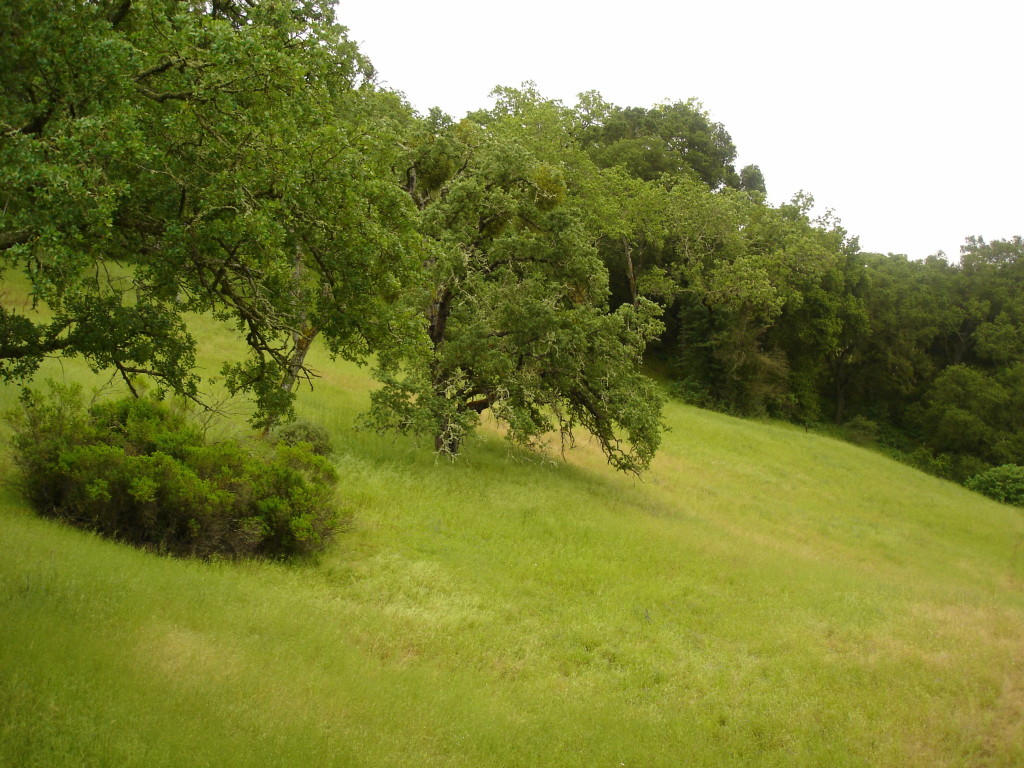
(861, 430)
(139, 471)
(1004, 483)
(958, 467)
(692, 392)
(301, 431)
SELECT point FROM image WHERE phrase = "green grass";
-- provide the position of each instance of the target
(762, 597)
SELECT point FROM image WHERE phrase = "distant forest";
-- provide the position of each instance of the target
(161, 157)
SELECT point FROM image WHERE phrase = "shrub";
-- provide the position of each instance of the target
(139, 471)
(861, 431)
(957, 467)
(1005, 484)
(692, 392)
(305, 432)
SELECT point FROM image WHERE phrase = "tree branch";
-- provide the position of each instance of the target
(120, 13)
(168, 96)
(479, 405)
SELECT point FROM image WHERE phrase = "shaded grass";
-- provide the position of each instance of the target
(762, 597)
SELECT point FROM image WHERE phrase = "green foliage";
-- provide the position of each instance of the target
(139, 471)
(515, 296)
(757, 320)
(676, 140)
(302, 431)
(158, 158)
(752, 179)
(770, 311)
(862, 430)
(968, 411)
(692, 392)
(1004, 483)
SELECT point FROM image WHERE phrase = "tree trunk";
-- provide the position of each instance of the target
(303, 340)
(629, 271)
(840, 378)
(446, 443)
(840, 404)
(437, 315)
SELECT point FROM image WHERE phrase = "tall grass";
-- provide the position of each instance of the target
(762, 597)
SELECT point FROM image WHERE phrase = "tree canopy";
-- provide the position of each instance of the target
(163, 157)
(677, 139)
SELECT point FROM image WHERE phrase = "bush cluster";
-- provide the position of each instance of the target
(139, 471)
(296, 432)
(1004, 483)
(861, 430)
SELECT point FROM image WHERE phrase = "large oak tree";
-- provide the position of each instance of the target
(163, 156)
(515, 296)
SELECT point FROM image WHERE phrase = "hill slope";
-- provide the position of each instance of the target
(762, 597)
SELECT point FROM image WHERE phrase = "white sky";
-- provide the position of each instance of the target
(904, 117)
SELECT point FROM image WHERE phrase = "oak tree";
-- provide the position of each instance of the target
(160, 157)
(514, 299)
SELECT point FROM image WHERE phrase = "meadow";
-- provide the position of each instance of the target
(764, 596)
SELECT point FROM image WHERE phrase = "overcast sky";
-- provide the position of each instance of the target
(905, 118)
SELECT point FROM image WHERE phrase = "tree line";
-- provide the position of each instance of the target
(162, 157)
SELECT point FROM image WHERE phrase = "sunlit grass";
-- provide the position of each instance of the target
(762, 596)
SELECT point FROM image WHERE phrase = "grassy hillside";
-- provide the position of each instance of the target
(763, 596)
